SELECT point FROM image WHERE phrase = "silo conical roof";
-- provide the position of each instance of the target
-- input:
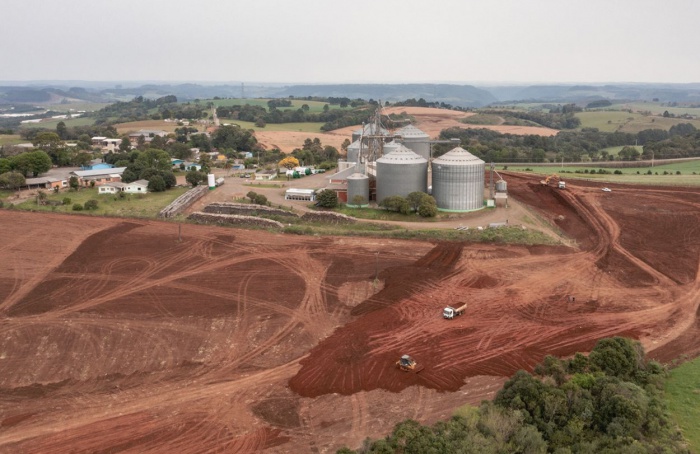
(402, 155)
(411, 132)
(457, 157)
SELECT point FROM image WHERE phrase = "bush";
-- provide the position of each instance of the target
(428, 207)
(260, 199)
(397, 204)
(327, 199)
(90, 205)
(2, 204)
(252, 195)
(67, 201)
(619, 172)
(77, 207)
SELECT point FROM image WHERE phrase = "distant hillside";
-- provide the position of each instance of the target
(683, 93)
(456, 95)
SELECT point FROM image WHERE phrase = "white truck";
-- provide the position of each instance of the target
(562, 185)
(450, 312)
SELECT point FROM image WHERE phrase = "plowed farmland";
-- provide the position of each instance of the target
(118, 336)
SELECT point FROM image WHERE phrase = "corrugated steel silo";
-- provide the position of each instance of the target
(353, 151)
(501, 186)
(416, 140)
(358, 185)
(390, 147)
(400, 173)
(458, 181)
(367, 130)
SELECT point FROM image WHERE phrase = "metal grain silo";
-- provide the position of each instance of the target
(390, 147)
(353, 152)
(458, 181)
(501, 186)
(368, 130)
(358, 185)
(401, 172)
(416, 140)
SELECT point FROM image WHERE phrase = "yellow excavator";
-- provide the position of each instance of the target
(408, 364)
(554, 178)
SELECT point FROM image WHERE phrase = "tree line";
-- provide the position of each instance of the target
(586, 145)
(610, 402)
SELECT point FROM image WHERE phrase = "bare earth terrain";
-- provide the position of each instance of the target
(429, 120)
(115, 337)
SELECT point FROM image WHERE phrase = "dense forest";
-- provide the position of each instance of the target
(610, 402)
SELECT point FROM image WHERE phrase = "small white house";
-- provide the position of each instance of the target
(266, 175)
(111, 188)
(136, 187)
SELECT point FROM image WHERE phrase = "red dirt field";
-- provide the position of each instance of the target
(115, 337)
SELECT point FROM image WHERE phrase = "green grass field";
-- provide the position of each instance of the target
(683, 394)
(134, 205)
(301, 127)
(655, 108)
(614, 151)
(483, 119)
(629, 175)
(78, 106)
(51, 124)
(10, 139)
(617, 120)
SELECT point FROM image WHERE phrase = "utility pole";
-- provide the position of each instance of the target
(376, 266)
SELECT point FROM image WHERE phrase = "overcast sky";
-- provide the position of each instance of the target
(325, 41)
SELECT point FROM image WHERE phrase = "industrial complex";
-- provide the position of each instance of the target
(382, 163)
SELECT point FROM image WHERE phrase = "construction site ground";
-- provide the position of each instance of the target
(117, 336)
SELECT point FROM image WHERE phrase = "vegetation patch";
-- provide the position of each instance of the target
(609, 402)
(683, 392)
(126, 205)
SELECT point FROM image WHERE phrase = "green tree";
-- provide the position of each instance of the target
(125, 144)
(51, 143)
(31, 162)
(415, 198)
(12, 180)
(82, 159)
(73, 182)
(233, 137)
(252, 195)
(195, 177)
(618, 357)
(62, 130)
(156, 184)
(169, 178)
(154, 159)
(327, 198)
(5, 165)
